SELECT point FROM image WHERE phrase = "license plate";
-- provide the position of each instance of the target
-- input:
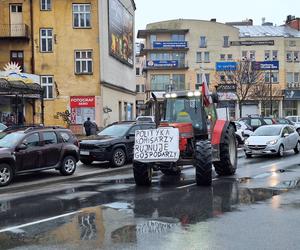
(84, 152)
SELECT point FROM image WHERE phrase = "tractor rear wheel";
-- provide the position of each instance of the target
(142, 173)
(228, 154)
(203, 163)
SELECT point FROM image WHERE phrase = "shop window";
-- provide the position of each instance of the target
(289, 108)
(83, 62)
(47, 85)
(81, 15)
(45, 4)
(46, 40)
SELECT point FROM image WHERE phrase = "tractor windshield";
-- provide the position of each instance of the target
(184, 110)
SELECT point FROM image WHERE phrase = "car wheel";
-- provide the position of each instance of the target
(68, 166)
(6, 174)
(297, 148)
(248, 155)
(118, 157)
(280, 151)
(86, 161)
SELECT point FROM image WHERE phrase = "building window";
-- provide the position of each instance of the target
(289, 108)
(296, 56)
(222, 57)
(177, 37)
(274, 77)
(81, 15)
(140, 88)
(45, 4)
(47, 85)
(289, 79)
(226, 41)
(292, 43)
(289, 56)
(160, 82)
(275, 54)
(153, 38)
(267, 55)
(83, 62)
(46, 40)
(199, 79)
(206, 57)
(252, 55)
(179, 81)
(296, 77)
(203, 42)
(199, 57)
(137, 71)
(229, 57)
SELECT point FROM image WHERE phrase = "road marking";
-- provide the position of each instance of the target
(36, 222)
(190, 185)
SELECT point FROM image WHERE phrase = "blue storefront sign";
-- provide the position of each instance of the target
(226, 66)
(266, 65)
(162, 63)
(169, 44)
(290, 94)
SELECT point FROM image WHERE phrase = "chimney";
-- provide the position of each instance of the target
(213, 20)
(263, 20)
(293, 22)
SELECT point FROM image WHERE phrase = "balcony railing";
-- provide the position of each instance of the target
(14, 31)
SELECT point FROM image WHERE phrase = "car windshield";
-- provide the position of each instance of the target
(115, 130)
(267, 131)
(9, 140)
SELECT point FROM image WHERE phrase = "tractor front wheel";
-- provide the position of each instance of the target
(203, 163)
(228, 154)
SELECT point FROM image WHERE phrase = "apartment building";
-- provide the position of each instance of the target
(178, 52)
(82, 53)
(140, 63)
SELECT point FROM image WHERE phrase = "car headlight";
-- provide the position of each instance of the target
(272, 142)
(246, 142)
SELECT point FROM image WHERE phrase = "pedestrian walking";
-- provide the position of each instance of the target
(87, 126)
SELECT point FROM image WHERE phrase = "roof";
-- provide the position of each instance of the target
(19, 87)
(267, 31)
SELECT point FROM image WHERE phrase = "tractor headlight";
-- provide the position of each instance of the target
(173, 95)
(273, 142)
(197, 93)
(190, 94)
(168, 95)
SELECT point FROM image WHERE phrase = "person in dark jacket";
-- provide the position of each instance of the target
(88, 126)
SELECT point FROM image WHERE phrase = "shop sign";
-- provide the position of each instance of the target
(266, 65)
(82, 101)
(226, 88)
(169, 44)
(162, 63)
(252, 43)
(291, 94)
(226, 66)
(227, 96)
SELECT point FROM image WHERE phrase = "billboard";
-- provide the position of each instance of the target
(169, 44)
(226, 66)
(120, 32)
(266, 65)
(162, 63)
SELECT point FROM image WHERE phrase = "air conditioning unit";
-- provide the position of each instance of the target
(274, 58)
(244, 58)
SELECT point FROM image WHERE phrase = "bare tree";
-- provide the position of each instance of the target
(245, 77)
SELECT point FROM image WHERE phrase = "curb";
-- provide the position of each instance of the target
(22, 186)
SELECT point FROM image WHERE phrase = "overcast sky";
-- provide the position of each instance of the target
(223, 10)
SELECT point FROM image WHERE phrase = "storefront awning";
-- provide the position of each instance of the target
(8, 87)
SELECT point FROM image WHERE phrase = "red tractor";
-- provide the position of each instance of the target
(204, 141)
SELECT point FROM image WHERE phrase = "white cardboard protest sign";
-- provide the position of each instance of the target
(161, 144)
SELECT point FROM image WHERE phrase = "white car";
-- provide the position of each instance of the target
(243, 131)
(2, 127)
(272, 139)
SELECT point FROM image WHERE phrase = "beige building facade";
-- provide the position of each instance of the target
(178, 52)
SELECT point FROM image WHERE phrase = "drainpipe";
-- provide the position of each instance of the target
(32, 39)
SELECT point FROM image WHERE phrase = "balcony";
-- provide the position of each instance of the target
(166, 65)
(14, 32)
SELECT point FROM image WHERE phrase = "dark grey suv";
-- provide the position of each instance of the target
(31, 149)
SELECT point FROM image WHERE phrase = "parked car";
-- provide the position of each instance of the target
(33, 149)
(272, 139)
(289, 122)
(295, 120)
(114, 143)
(145, 119)
(243, 131)
(257, 121)
(2, 127)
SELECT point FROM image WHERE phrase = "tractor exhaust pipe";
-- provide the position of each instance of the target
(156, 110)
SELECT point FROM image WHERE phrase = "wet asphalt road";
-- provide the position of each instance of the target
(258, 208)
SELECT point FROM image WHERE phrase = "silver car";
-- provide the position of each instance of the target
(272, 139)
